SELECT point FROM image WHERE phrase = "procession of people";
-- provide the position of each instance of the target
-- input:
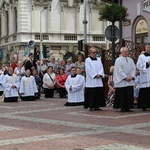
(80, 82)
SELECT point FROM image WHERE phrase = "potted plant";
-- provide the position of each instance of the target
(113, 12)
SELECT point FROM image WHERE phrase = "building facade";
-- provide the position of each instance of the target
(137, 28)
(59, 23)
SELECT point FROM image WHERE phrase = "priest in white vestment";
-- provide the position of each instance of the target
(75, 84)
(11, 85)
(124, 76)
(94, 92)
(143, 65)
(28, 88)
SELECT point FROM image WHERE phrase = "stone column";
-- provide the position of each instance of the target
(4, 23)
(23, 20)
(11, 20)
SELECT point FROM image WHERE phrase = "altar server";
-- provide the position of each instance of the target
(143, 65)
(75, 87)
(94, 93)
(11, 85)
(1, 83)
(28, 88)
(124, 76)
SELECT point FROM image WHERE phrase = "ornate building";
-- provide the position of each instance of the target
(137, 28)
(59, 23)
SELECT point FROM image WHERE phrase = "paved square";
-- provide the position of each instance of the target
(47, 124)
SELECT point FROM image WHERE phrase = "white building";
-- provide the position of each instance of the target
(60, 22)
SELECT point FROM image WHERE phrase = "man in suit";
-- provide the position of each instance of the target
(29, 63)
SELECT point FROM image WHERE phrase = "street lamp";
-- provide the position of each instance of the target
(41, 39)
(85, 28)
(113, 41)
(85, 22)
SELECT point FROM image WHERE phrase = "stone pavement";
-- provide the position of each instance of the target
(47, 124)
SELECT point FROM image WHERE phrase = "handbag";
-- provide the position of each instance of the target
(52, 81)
(2, 97)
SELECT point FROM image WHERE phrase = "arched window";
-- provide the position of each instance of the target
(141, 31)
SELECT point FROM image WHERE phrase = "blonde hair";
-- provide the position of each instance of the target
(20, 62)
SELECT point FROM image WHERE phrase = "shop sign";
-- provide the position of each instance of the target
(127, 22)
(146, 5)
(141, 27)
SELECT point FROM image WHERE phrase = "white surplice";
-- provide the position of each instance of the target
(76, 95)
(28, 86)
(19, 72)
(144, 72)
(1, 82)
(124, 67)
(92, 68)
(8, 81)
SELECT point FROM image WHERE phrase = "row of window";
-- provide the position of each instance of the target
(70, 37)
(66, 38)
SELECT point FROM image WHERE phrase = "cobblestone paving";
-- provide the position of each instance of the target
(47, 124)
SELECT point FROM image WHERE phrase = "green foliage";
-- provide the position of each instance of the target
(113, 12)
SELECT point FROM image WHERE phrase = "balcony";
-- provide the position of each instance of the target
(70, 3)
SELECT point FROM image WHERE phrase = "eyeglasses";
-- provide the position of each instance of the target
(94, 52)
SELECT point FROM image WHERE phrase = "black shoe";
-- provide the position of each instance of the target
(122, 110)
(97, 109)
(91, 109)
(128, 110)
(144, 109)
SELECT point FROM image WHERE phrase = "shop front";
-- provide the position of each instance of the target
(138, 30)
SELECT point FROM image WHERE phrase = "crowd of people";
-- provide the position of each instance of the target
(81, 82)
(28, 79)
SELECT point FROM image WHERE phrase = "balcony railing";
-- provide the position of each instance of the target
(70, 37)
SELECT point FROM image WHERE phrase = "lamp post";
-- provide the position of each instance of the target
(85, 29)
(113, 41)
(120, 26)
(41, 39)
(85, 23)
